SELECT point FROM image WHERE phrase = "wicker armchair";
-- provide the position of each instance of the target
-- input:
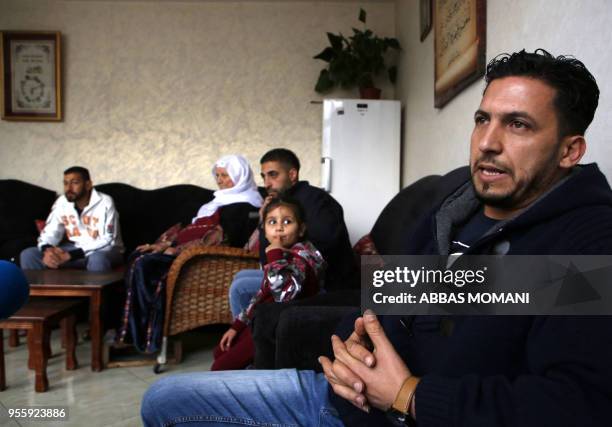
(197, 290)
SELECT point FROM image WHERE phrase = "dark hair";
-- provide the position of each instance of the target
(291, 203)
(80, 170)
(576, 95)
(282, 155)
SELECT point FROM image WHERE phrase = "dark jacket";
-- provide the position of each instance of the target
(327, 231)
(511, 370)
(238, 221)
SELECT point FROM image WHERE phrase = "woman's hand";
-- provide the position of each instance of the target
(171, 251)
(144, 248)
(227, 339)
(154, 248)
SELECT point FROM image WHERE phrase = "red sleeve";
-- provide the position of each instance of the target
(275, 254)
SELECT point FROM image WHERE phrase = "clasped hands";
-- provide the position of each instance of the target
(54, 257)
(367, 370)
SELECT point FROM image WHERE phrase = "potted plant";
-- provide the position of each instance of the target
(356, 61)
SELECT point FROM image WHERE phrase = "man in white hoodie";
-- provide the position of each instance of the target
(82, 230)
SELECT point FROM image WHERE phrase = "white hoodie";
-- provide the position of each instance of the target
(97, 227)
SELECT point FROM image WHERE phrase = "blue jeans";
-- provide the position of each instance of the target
(246, 283)
(278, 398)
(102, 260)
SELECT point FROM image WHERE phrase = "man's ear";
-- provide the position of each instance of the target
(88, 185)
(572, 149)
(293, 175)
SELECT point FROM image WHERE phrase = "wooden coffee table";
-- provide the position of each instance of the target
(79, 283)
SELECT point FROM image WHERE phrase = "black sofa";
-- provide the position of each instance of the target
(295, 334)
(143, 214)
(21, 204)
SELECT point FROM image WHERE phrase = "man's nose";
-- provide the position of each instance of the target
(491, 139)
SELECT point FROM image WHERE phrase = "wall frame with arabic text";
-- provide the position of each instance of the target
(31, 75)
(460, 46)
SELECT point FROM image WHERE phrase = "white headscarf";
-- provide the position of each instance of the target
(243, 191)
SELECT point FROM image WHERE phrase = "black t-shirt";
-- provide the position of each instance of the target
(470, 232)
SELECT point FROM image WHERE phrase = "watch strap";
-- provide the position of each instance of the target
(405, 395)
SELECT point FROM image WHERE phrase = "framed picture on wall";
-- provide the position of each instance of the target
(425, 13)
(460, 46)
(31, 75)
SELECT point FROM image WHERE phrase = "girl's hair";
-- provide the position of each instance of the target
(290, 203)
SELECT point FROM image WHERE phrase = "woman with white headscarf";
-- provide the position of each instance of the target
(223, 220)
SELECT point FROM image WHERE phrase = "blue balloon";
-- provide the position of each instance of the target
(14, 289)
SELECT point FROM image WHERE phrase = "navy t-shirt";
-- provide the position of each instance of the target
(470, 232)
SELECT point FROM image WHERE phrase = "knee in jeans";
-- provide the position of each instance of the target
(157, 398)
(98, 261)
(29, 256)
(153, 394)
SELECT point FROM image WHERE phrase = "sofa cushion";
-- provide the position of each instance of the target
(21, 204)
(403, 212)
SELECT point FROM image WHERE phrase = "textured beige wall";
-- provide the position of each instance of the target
(435, 141)
(156, 91)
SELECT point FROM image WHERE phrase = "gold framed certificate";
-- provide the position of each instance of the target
(460, 46)
(31, 75)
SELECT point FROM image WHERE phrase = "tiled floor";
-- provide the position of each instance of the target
(108, 398)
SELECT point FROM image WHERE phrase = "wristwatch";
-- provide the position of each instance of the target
(399, 413)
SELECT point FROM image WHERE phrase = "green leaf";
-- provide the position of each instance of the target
(326, 55)
(362, 15)
(392, 43)
(355, 60)
(324, 83)
(335, 41)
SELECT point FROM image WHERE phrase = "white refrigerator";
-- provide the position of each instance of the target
(360, 163)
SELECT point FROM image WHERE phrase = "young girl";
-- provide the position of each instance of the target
(293, 269)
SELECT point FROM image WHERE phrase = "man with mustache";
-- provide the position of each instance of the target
(82, 230)
(528, 195)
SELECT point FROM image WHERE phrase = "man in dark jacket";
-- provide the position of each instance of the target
(280, 170)
(528, 196)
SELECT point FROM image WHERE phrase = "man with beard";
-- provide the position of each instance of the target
(528, 196)
(82, 230)
(280, 170)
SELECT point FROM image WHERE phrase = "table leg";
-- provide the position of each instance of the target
(48, 352)
(69, 337)
(96, 325)
(13, 338)
(40, 361)
(30, 341)
(2, 371)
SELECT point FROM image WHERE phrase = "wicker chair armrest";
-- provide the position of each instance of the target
(196, 251)
(200, 254)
